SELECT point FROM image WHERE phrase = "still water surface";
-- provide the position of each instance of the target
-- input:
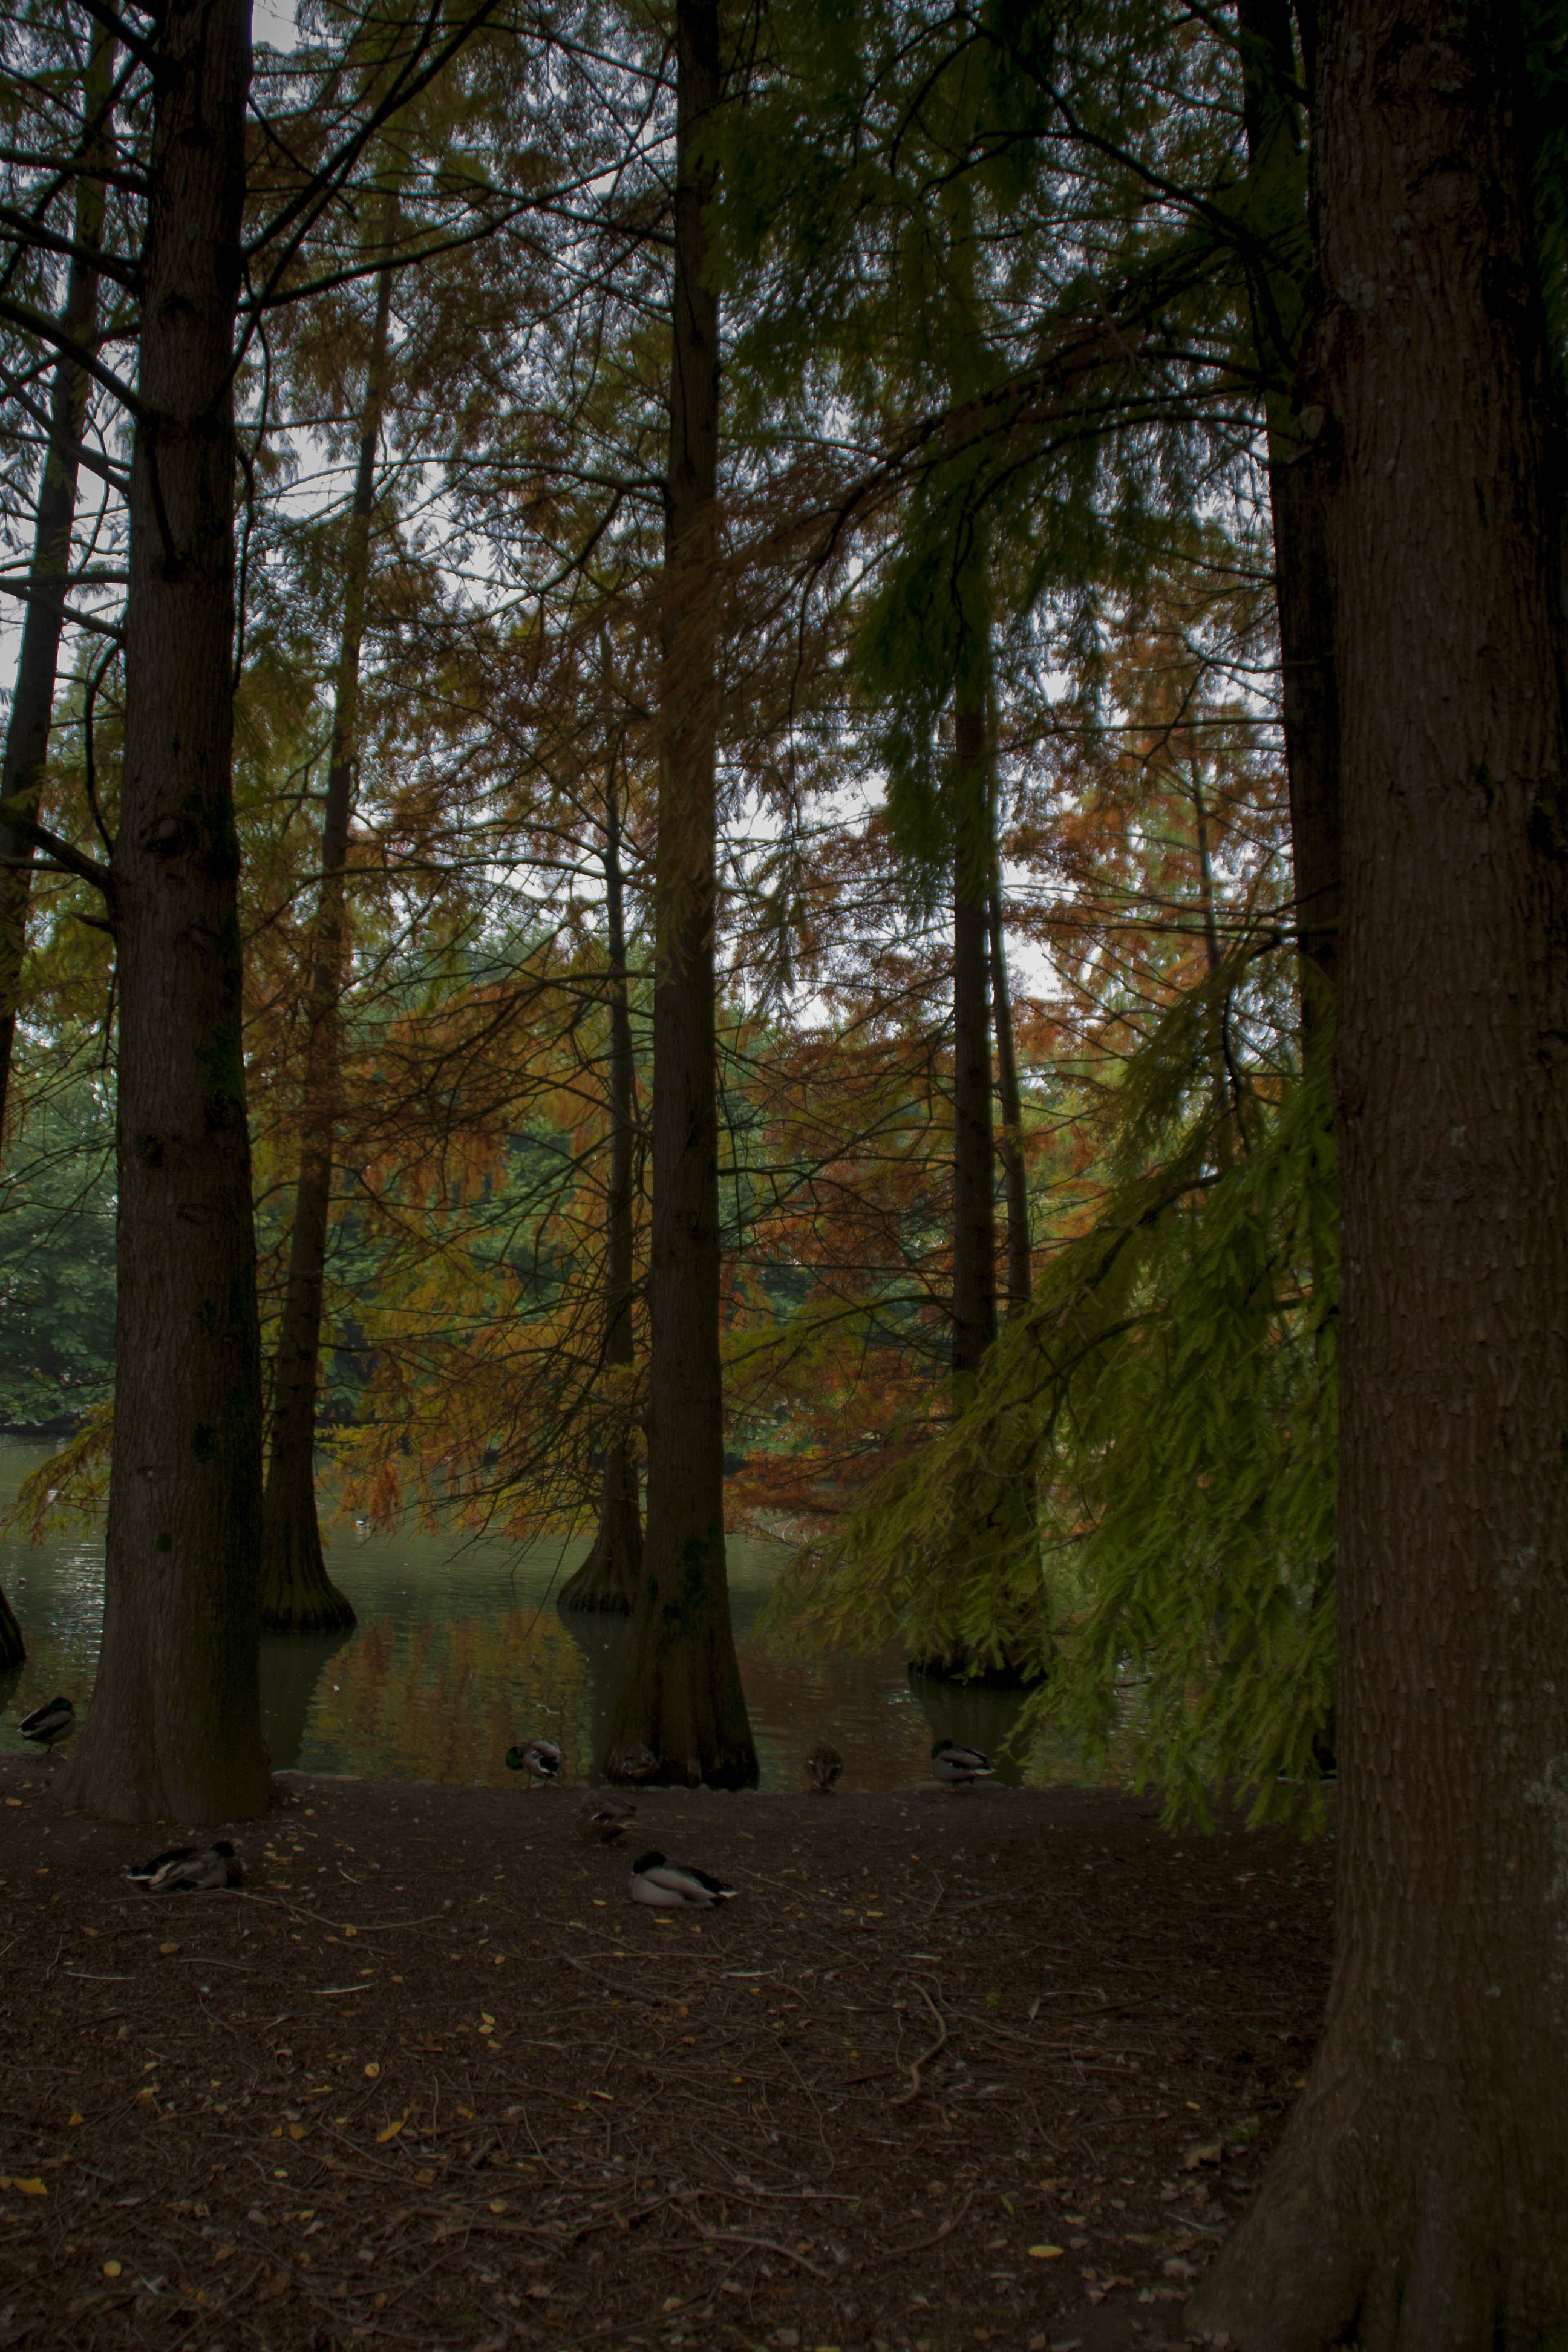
(460, 1651)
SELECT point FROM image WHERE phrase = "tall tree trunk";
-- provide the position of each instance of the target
(1417, 2201)
(1303, 581)
(682, 1694)
(33, 697)
(297, 1594)
(974, 1144)
(174, 1729)
(608, 1578)
(1010, 1143)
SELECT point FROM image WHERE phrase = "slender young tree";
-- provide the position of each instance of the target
(1281, 262)
(174, 1729)
(1417, 2202)
(608, 1578)
(681, 1692)
(33, 697)
(297, 1594)
(1009, 1142)
(973, 1135)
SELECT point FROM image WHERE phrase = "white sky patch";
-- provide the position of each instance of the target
(274, 22)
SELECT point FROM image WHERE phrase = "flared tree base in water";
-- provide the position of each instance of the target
(13, 1649)
(607, 1580)
(298, 1596)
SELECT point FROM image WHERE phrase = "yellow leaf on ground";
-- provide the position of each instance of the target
(76, 2119)
(167, 1949)
(372, 2069)
(296, 2131)
(391, 2132)
(112, 2269)
(1047, 2253)
(350, 1931)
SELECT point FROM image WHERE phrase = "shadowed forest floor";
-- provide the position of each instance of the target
(993, 2068)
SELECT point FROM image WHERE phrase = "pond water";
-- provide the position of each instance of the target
(460, 1651)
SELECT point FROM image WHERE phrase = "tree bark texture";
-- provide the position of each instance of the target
(608, 1578)
(33, 696)
(1417, 2201)
(681, 1695)
(1010, 1143)
(174, 1728)
(1303, 578)
(974, 1142)
(13, 1649)
(297, 1594)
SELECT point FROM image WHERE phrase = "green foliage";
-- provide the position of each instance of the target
(1139, 1498)
(56, 1257)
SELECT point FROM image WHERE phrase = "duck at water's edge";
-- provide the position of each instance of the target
(955, 1767)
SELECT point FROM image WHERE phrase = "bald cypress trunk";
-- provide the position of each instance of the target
(297, 1594)
(1010, 1141)
(1304, 589)
(608, 1578)
(33, 696)
(174, 1728)
(1417, 2201)
(680, 1694)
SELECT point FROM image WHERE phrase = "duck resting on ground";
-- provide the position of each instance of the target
(189, 1870)
(46, 1725)
(539, 1759)
(674, 1885)
(955, 1767)
(823, 1766)
(602, 1818)
(635, 1763)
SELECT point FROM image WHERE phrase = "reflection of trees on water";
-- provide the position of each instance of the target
(972, 1716)
(291, 1666)
(445, 1701)
(600, 1642)
(856, 1702)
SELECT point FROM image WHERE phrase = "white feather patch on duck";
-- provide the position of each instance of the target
(540, 1759)
(673, 1884)
(958, 1766)
(189, 1870)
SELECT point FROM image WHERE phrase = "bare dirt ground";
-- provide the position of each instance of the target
(991, 2068)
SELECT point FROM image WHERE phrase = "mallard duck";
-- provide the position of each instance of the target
(539, 1759)
(189, 1870)
(823, 1766)
(955, 1767)
(674, 1883)
(602, 1818)
(635, 1763)
(49, 1725)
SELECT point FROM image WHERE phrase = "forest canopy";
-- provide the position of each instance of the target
(1010, 634)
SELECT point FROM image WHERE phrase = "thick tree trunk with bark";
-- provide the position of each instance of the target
(174, 1728)
(608, 1578)
(33, 696)
(1303, 578)
(297, 1594)
(681, 1696)
(1417, 2201)
(973, 1141)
